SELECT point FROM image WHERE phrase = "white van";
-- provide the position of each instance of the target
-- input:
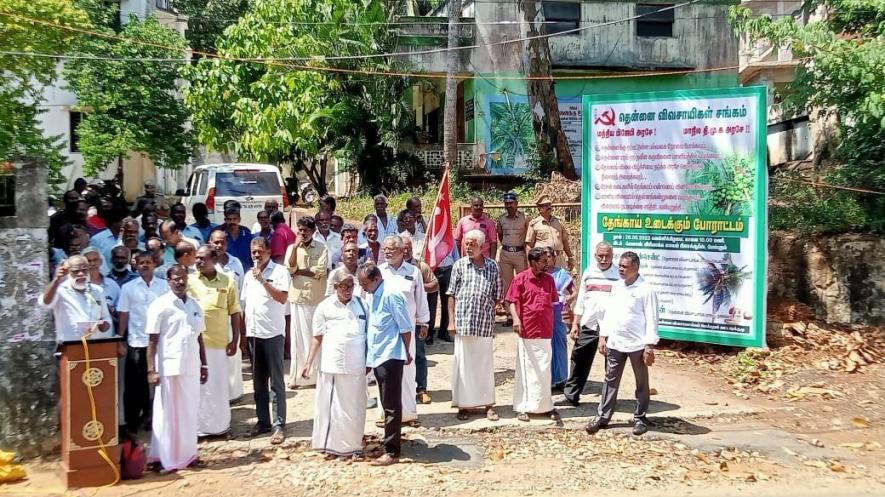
(249, 184)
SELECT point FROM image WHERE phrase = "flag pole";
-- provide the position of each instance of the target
(435, 203)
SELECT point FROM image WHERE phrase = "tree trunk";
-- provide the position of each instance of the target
(316, 173)
(450, 114)
(536, 63)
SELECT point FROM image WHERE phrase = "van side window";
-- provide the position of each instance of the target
(203, 180)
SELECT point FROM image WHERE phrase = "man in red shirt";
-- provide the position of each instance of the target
(478, 220)
(531, 296)
(283, 236)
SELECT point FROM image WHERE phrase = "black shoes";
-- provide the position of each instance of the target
(595, 425)
(259, 429)
(640, 426)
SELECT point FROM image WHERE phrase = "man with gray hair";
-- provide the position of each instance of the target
(77, 305)
(475, 289)
(121, 266)
(628, 331)
(401, 276)
(110, 287)
(593, 292)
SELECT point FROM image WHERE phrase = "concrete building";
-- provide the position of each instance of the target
(595, 48)
(61, 117)
(790, 136)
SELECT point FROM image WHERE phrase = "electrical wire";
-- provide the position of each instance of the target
(391, 54)
(441, 23)
(277, 62)
(834, 187)
(426, 75)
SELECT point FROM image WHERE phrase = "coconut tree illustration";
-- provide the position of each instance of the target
(512, 133)
(719, 281)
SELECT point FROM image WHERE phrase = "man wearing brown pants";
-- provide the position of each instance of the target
(512, 228)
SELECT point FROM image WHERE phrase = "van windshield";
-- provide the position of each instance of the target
(246, 182)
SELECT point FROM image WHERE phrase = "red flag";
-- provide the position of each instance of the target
(439, 241)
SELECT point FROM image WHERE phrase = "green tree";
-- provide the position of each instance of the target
(841, 74)
(296, 110)
(25, 76)
(131, 103)
(206, 21)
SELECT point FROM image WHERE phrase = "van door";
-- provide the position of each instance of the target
(251, 188)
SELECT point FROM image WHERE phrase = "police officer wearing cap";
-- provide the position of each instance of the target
(512, 229)
(546, 230)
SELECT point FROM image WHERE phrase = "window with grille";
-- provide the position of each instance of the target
(7, 190)
(164, 5)
(74, 131)
(654, 22)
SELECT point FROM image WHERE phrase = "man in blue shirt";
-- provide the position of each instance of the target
(238, 237)
(202, 223)
(390, 330)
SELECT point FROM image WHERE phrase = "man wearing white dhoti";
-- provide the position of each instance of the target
(230, 265)
(475, 289)
(307, 262)
(340, 325)
(177, 365)
(401, 276)
(217, 294)
(531, 296)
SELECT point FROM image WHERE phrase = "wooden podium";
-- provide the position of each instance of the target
(81, 436)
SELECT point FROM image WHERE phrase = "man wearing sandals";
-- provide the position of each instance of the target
(475, 289)
(531, 295)
(390, 331)
(401, 276)
(176, 361)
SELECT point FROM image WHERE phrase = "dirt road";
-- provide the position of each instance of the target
(706, 439)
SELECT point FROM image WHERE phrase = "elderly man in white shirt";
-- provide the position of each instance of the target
(77, 305)
(628, 331)
(593, 292)
(265, 293)
(406, 278)
(135, 298)
(340, 327)
(177, 365)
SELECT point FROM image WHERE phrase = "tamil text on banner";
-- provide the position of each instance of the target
(679, 177)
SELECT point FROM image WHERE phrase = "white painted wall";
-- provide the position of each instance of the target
(58, 102)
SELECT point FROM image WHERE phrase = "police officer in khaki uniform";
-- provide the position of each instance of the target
(547, 231)
(512, 229)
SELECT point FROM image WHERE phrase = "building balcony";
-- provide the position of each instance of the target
(761, 60)
(419, 34)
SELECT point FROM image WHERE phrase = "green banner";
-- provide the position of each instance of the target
(680, 178)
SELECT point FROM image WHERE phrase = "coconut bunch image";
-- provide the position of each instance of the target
(719, 281)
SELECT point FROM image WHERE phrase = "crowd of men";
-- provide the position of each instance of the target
(351, 307)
